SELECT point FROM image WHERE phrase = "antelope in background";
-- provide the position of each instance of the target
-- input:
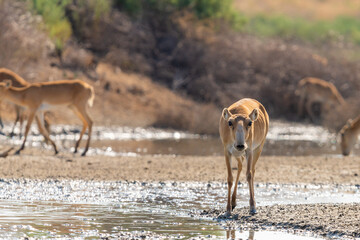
(315, 90)
(17, 81)
(35, 97)
(243, 128)
(349, 135)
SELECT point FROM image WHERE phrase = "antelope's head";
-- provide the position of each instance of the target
(240, 127)
(348, 138)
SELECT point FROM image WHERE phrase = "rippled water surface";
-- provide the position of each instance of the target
(74, 208)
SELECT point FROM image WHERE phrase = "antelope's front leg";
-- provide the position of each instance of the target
(233, 200)
(29, 121)
(250, 180)
(229, 181)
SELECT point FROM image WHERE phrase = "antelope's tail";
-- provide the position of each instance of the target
(92, 96)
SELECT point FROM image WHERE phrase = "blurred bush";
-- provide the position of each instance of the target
(56, 20)
(203, 9)
(53, 13)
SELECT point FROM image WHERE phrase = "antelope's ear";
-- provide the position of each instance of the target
(8, 83)
(254, 115)
(349, 122)
(226, 114)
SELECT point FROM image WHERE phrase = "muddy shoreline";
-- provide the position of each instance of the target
(324, 220)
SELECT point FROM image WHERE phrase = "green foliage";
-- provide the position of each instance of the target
(347, 28)
(133, 7)
(98, 8)
(57, 23)
(203, 9)
(53, 13)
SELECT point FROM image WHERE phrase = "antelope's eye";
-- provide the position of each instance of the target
(250, 123)
(230, 123)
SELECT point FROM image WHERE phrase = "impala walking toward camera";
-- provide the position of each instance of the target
(243, 129)
(73, 93)
(349, 135)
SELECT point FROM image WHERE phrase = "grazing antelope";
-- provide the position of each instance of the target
(73, 93)
(315, 90)
(349, 135)
(243, 128)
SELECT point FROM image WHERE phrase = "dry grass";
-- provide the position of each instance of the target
(309, 9)
(140, 102)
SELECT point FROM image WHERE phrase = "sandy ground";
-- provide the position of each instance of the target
(42, 164)
(321, 219)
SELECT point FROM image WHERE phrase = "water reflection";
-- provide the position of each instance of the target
(265, 235)
(232, 234)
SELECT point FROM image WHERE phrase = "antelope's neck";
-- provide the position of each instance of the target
(15, 95)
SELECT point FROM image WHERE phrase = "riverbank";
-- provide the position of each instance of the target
(324, 220)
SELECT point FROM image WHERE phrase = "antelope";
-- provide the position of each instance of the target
(349, 135)
(243, 128)
(17, 81)
(315, 90)
(73, 93)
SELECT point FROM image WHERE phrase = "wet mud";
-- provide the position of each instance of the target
(325, 220)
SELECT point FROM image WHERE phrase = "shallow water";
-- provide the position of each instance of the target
(284, 138)
(75, 208)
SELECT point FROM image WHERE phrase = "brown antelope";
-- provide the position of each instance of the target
(243, 128)
(349, 135)
(17, 81)
(73, 93)
(315, 90)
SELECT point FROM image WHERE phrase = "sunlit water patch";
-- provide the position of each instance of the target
(77, 208)
(284, 138)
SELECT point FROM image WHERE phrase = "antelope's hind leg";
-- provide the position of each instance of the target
(39, 120)
(17, 119)
(80, 111)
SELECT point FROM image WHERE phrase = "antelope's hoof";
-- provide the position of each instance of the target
(56, 152)
(227, 214)
(233, 206)
(83, 154)
(17, 152)
(252, 211)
